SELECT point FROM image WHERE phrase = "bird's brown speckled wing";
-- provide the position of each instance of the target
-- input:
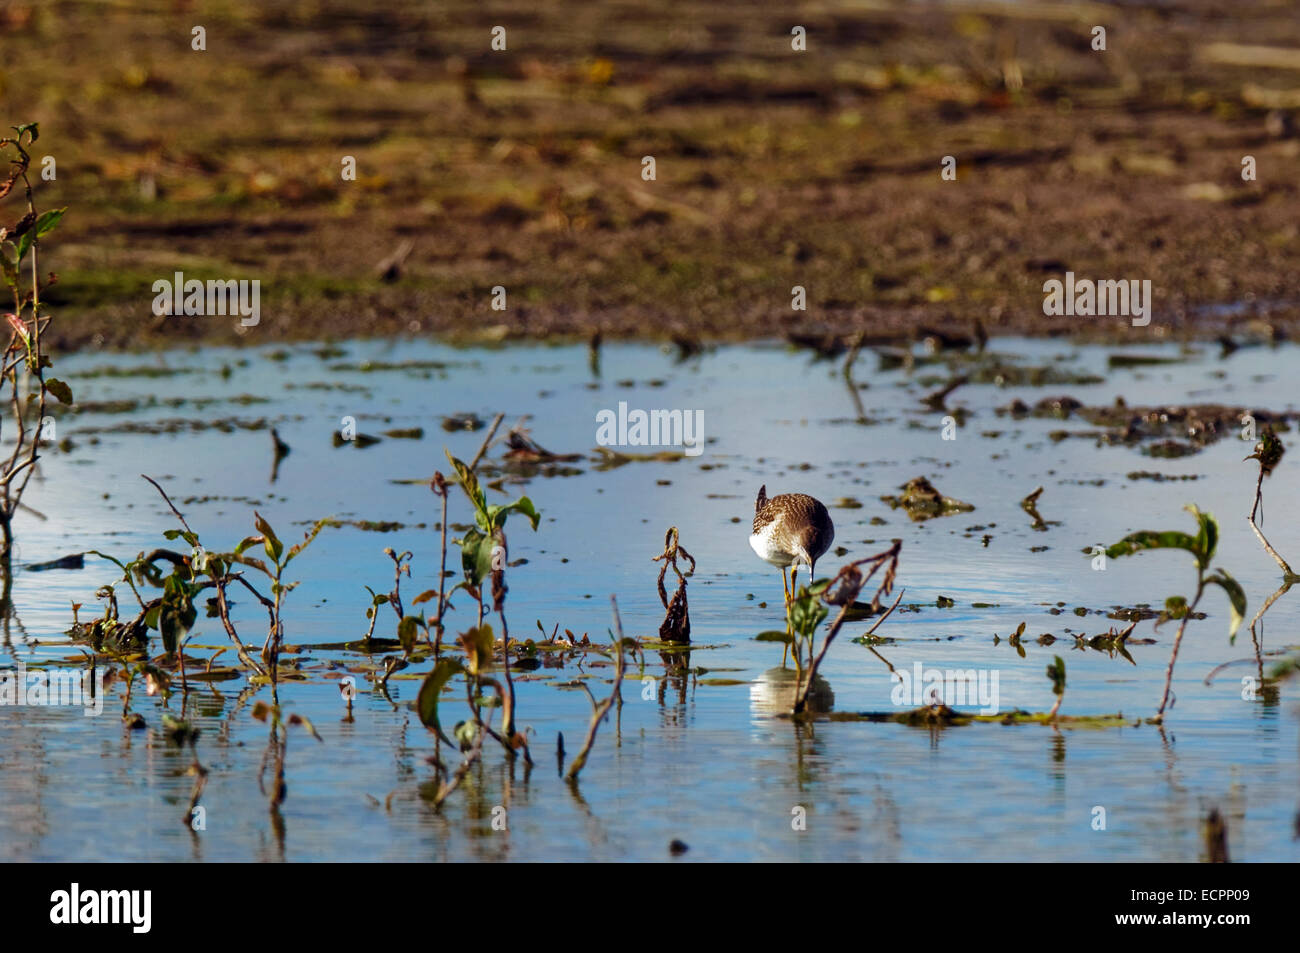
(806, 518)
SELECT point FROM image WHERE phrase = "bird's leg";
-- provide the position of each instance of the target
(785, 585)
(812, 636)
(794, 594)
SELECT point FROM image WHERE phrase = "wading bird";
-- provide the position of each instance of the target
(789, 530)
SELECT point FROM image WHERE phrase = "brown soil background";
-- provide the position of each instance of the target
(775, 168)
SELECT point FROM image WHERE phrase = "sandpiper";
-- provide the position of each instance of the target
(789, 530)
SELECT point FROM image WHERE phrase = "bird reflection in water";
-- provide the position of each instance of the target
(774, 693)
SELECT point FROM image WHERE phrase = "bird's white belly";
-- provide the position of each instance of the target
(762, 543)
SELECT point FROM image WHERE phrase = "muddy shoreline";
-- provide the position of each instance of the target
(774, 169)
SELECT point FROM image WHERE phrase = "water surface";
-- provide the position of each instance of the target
(709, 764)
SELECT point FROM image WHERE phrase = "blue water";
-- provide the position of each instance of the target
(711, 765)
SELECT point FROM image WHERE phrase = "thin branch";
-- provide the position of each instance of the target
(1282, 563)
(602, 709)
(487, 442)
(1173, 656)
(168, 501)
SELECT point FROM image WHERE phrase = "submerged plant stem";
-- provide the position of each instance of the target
(1173, 656)
(1282, 563)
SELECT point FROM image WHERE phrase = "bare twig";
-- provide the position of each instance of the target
(1268, 548)
(168, 501)
(487, 442)
(601, 709)
(439, 486)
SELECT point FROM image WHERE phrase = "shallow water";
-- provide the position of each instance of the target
(709, 764)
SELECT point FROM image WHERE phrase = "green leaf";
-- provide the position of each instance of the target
(1056, 672)
(48, 220)
(45, 223)
(1175, 608)
(33, 127)
(426, 703)
(272, 542)
(1146, 539)
(774, 636)
(59, 389)
(306, 540)
(478, 643)
(497, 513)
(408, 631)
(807, 612)
(246, 542)
(1207, 536)
(469, 483)
(475, 556)
(1236, 598)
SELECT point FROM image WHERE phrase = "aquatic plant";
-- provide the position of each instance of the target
(173, 613)
(676, 626)
(439, 487)
(1268, 452)
(1056, 672)
(1202, 547)
(25, 352)
(277, 749)
(279, 561)
(483, 561)
(807, 610)
(176, 608)
(483, 552)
